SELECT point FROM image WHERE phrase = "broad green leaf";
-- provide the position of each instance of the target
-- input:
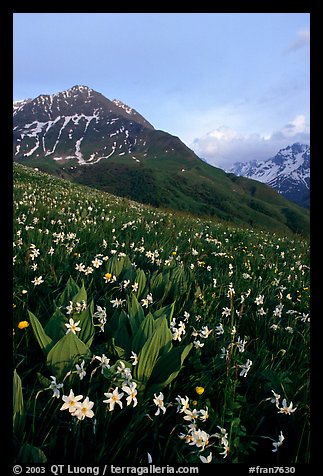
(141, 280)
(167, 368)
(145, 330)
(179, 281)
(45, 342)
(150, 351)
(55, 327)
(80, 296)
(136, 314)
(63, 355)
(122, 334)
(70, 290)
(112, 327)
(87, 331)
(18, 406)
(160, 285)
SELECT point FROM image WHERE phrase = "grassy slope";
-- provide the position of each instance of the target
(201, 189)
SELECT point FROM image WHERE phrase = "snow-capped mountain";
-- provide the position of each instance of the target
(288, 172)
(78, 123)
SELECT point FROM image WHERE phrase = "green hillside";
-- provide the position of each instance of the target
(181, 181)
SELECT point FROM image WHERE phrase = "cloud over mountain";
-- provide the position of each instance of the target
(224, 146)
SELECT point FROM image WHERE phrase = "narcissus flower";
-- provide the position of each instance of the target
(131, 391)
(117, 302)
(55, 387)
(204, 414)
(200, 439)
(245, 368)
(38, 281)
(84, 409)
(275, 399)
(134, 358)
(104, 362)
(182, 403)
(286, 409)
(159, 402)
(206, 459)
(72, 326)
(80, 370)
(70, 402)
(23, 324)
(113, 398)
(278, 443)
(191, 415)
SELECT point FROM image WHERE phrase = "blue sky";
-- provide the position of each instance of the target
(232, 86)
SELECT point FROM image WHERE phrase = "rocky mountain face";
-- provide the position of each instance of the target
(288, 172)
(77, 124)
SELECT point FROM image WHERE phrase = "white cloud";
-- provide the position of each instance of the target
(302, 41)
(224, 146)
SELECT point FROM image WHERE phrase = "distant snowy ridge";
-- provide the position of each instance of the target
(288, 172)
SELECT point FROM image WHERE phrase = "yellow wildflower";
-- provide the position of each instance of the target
(23, 324)
(199, 390)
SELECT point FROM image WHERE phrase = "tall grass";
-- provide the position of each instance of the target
(211, 321)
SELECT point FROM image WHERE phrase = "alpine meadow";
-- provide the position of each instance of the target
(148, 335)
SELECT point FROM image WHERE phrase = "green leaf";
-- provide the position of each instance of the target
(167, 368)
(179, 281)
(112, 327)
(136, 314)
(64, 354)
(160, 285)
(55, 327)
(45, 342)
(145, 330)
(18, 406)
(70, 290)
(141, 280)
(123, 333)
(80, 296)
(87, 331)
(150, 351)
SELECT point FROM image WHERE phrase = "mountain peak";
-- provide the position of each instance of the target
(75, 90)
